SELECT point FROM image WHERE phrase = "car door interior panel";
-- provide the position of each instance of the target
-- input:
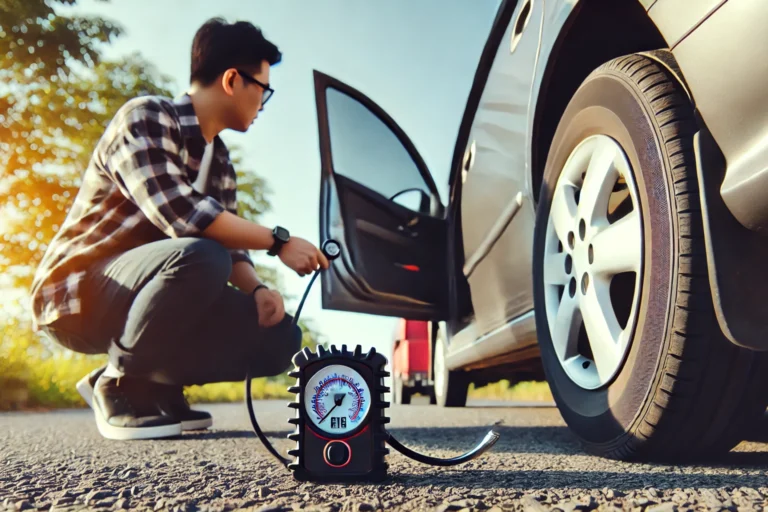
(392, 248)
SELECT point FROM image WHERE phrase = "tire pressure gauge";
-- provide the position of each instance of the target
(337, 400)
(339, 415)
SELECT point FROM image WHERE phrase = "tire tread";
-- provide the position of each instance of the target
(709, 391)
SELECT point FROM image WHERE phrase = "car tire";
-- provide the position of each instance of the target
(401, 394)
(675, 388)
(450, 387)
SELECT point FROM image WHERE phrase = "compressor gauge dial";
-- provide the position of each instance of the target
(337, 399)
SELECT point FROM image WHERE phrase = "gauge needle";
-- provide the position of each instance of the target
(337, 399)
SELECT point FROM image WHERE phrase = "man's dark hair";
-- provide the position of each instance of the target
(219, 45)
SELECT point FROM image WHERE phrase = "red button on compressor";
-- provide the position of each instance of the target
(337, 454)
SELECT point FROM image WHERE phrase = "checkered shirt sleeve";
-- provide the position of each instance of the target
(146, 166)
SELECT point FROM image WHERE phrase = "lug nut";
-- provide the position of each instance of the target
(584, 283)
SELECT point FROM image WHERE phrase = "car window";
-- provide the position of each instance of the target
(365, 150)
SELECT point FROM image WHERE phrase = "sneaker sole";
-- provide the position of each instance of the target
(131, 434)
(85, 390)
(197, 424)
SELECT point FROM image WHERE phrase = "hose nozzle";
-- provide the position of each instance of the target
(331, 249)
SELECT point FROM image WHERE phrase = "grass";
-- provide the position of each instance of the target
(38, 375)
(529, 391)
(261, 389)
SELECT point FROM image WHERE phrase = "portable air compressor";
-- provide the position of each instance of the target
(340, 414)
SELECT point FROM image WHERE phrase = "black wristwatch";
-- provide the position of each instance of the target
(281, 237)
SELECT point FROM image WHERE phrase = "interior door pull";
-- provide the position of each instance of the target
(406, 230)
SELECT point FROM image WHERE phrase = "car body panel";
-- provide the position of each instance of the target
(676, 19)
(716, 58)
(500, 280)
(509, 331)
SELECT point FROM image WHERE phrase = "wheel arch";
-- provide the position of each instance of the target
(596, 32)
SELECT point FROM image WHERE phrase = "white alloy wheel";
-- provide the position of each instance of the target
(593, 262)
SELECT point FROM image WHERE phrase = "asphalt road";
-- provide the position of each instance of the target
(58, 461)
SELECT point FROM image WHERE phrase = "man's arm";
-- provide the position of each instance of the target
(235, 232)
(144, 162)
(244, 276)
(269, 303)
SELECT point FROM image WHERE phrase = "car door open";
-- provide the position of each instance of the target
(379, 201)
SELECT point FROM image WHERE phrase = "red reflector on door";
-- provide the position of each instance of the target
(411, 268)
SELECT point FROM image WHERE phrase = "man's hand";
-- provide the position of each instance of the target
(269, 306)
(302, 256)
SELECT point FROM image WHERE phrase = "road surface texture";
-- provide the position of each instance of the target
(58, 461)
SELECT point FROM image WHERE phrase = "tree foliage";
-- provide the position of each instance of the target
(56, 98)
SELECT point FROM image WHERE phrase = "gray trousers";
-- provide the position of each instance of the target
(163, 311)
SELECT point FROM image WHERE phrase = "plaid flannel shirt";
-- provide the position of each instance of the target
(136, 189)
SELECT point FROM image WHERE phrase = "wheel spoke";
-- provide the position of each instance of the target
(565, 332)
(554, 269)
(564, 211)
(618, 247)
(598, 184)
(603, 329)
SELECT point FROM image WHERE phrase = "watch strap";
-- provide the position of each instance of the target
(275, 249)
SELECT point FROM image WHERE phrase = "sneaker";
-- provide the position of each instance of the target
(86, 384)
(124, 411)
(170, 399)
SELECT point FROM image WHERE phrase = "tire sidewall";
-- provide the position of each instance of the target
(609, 104)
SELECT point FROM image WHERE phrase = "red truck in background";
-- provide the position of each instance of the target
(412, 361)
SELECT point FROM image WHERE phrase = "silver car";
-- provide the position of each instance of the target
(605, 223)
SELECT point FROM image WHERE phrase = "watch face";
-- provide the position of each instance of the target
(281, 234)
(337, 399)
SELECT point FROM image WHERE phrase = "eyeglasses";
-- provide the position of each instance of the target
(268, 91)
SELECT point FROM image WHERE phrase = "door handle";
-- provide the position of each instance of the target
(522, 21)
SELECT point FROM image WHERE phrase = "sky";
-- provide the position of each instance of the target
(415, 59)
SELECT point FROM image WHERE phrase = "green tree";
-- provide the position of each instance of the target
(56, 98)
